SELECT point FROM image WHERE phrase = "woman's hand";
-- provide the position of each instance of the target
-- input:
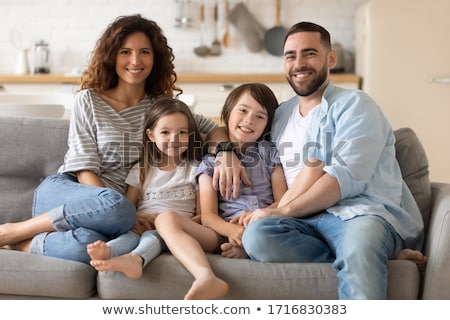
(144, 222)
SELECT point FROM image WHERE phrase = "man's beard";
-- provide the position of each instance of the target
(311, 87)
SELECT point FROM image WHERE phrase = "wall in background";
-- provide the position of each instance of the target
(71, 28)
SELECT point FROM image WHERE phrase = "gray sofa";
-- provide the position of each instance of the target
(32, 148)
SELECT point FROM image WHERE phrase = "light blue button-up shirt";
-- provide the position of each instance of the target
(350, 135)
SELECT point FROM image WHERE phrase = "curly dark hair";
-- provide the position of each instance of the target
(101, 73)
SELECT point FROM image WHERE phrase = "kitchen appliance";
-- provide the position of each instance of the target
(41, 57)
(402, 52)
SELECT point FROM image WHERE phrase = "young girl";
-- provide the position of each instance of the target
(248, 112)
(163, 181)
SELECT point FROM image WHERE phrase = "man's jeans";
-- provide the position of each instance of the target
(362, 246)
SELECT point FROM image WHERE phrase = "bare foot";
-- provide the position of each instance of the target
(98, 250)
(230, 251)
(10, 233)
(415, 256)
(207, 289)
(23, 246)
(129, 264)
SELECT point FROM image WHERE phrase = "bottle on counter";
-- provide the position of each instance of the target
(41, 57)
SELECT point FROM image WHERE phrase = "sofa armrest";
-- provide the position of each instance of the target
(436, 283)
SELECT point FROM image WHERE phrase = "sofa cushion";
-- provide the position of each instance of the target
(34, 275)
(32, 148)
(165, 278)
(413, 163)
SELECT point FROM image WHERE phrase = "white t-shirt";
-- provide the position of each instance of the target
(291, 145)
(167, 190)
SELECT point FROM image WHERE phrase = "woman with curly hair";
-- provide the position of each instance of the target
(131, 65)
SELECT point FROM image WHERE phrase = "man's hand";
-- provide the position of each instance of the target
(235, 237)
(228, 173)
(260, 214)
(240, 219)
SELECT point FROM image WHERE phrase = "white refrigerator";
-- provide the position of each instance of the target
(402, 52)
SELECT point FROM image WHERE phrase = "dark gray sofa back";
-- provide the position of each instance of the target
(31, 149)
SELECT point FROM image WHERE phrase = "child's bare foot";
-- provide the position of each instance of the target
(98, 250)
(207, 289)
(129, 264)
(230, 251)
(415, 256)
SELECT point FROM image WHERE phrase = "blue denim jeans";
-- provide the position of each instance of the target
(359, 248)
(80, 214)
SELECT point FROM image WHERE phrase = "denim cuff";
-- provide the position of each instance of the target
(37, 243)
(58, 220)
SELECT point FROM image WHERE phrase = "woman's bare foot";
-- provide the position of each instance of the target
(129, 264)
(230, 251)
(98, 250)
(415, 256)
(23, 246)
(11, 233)
(207, 289)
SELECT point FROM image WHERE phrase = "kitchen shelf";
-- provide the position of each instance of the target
(39, 79)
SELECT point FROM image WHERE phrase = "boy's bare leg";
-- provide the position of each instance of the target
(98, 250)
(230, 251)
(11, 233)
(415, 256)
(129, 264)
(188, 241)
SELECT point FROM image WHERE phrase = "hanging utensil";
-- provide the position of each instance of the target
(202, 49)
(226, 35)
(215, 46)
(248, 26)
(274, 37)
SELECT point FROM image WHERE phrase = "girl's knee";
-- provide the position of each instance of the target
(166, 218)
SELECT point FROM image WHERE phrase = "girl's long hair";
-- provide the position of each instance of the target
(152, 156)
(101, 72)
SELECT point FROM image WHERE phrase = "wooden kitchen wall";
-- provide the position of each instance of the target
(72, 26)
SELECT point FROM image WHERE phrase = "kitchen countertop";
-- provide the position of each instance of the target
(182, 78)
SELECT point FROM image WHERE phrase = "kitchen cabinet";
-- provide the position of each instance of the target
(207, 90)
